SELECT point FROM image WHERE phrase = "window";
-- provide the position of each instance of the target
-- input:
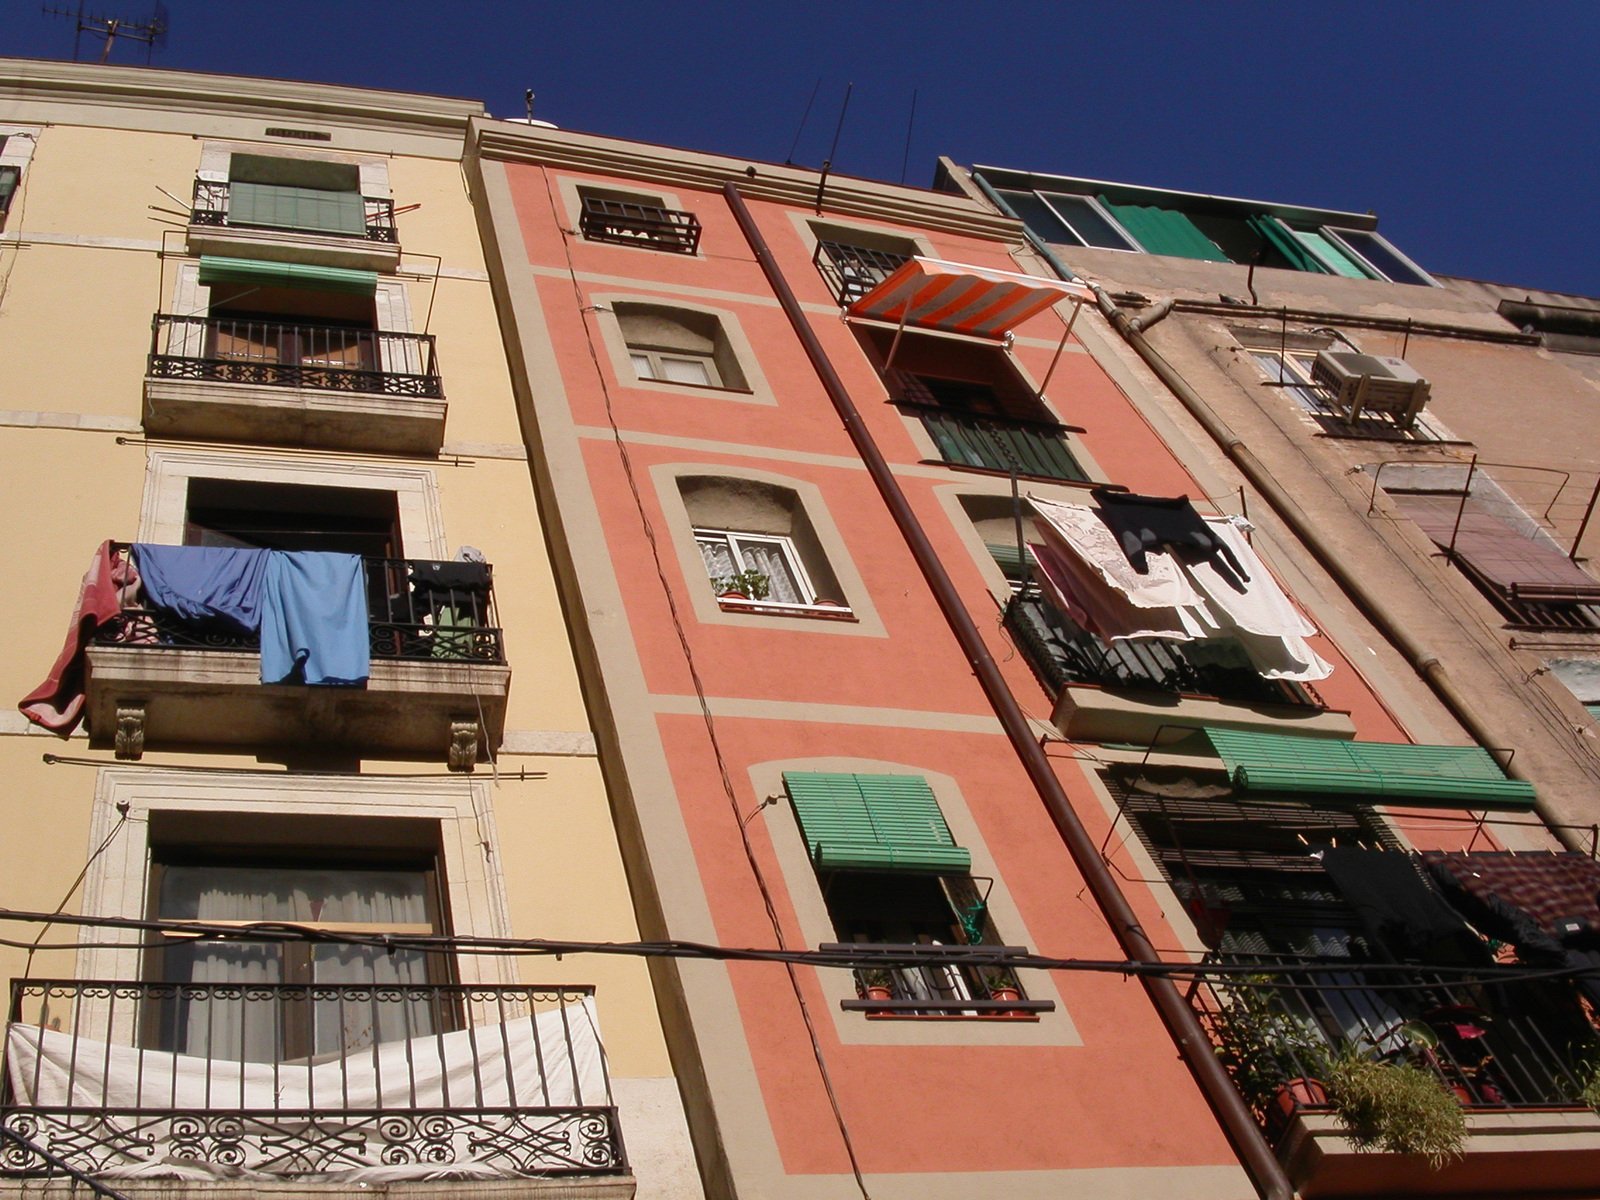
(630, 219)
(891, 874)
(1290, 371)
(16, 151)
(286, 516)
(1080, 212)
(854, 261)
(678, 346)
(329, 874)
(974, 404)
(758, 546)
(754, 566)
(10, 177)
(334, 197)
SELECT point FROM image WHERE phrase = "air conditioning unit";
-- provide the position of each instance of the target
(1371, 383)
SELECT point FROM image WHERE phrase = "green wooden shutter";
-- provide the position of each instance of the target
(1447, 776)
(9, 177)
(279, 206)
(873, 823)
(1165, 231)
(259, 272)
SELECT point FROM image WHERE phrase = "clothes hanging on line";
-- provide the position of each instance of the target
(1145, 523)
(204, 583)
(107, 588)
(314, 625)
(1079, 531)
(1401, 910)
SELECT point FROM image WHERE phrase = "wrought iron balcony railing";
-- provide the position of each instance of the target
(331, 358)
(853, 271)
(968, 439)
(1061, 653)
(411, 615)
(292, 1080)
(211, 207)
(1512, 1043)
(947, 989)
(629, 224)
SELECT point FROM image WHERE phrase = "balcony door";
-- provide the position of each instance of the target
(297, 337)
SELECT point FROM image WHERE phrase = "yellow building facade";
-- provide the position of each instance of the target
(249, 318)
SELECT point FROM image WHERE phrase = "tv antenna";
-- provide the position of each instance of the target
(152, 32)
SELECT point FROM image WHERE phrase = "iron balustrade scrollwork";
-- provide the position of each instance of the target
(1061, 653)
(851, 272)
(627, 223)
(211, 208)
(336, 358)
(410, 617)
(1499, 1041)
(296, 1080)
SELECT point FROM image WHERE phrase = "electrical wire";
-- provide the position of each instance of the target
(105, 843)
(847, 956)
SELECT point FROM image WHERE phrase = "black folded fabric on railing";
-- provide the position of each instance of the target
(1145, 523)
(427, 577)
(1401, 910)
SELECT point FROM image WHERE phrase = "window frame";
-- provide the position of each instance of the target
(785, 546)
(731, 339)
(655, 359)
(1132, 245)
(1338, 236)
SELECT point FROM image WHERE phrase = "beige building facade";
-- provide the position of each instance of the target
(248, 318)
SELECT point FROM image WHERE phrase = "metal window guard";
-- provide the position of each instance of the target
(626, 223)
(211, 208)
(853, 271)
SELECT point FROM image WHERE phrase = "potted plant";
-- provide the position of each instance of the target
(1002, 984)
(1274, 1056)
(1397, 1106)
(876, 983)
(743, 585)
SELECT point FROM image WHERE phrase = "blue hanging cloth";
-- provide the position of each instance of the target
(314, 619)
(204, 583)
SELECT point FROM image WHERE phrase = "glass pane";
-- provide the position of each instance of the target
(1382, 255)
(1089, 222)
(769, 558)
(1037, 216)
(685, 370)
(302, 895)
(718, 556)
(642, 366)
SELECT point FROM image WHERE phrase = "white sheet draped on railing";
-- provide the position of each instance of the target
(551, 1061)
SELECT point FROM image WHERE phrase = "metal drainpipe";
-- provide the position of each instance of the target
(1182, 1024)
(1389, 624)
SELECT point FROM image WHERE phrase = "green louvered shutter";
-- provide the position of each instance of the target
(278, 206)
(1165, 231)
(1449, 776)
(873, 823)
(9, 177)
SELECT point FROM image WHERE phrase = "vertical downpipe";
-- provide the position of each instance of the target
(1182, 1025)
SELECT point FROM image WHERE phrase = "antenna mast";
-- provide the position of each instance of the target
(152, 32)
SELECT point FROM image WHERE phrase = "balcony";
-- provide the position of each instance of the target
(336, 229)
(439, 678)
(310, 1082)
(301, 385)
(1512, 1050)
(1129, 690)
(1033, 449)
(903, 988)
(853, 271)
(626, 223)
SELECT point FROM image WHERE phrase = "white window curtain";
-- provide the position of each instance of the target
(259, 1028)
(771, 561)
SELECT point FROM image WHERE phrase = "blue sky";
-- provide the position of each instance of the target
(1468, 127)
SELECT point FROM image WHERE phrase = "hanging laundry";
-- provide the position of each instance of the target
(1078, 531)
(107, 588)
(1255, 613)
(1401, 910)
(1101, 609)
(314, 625)
(204, 583)
(1145, 523)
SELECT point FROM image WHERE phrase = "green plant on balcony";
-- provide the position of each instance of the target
(1263, 1045)
(751, 584)
(1397, 1106)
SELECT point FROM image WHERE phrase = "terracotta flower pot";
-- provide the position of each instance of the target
(1294, 1095)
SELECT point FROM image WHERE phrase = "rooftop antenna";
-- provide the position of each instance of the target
(527, 102)
(827, 163)
(804, 117)
(152, 32)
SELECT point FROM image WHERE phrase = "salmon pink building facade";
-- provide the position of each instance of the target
(962, 867)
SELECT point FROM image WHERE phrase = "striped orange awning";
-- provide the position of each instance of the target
(928, 293)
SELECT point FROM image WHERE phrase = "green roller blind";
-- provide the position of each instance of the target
(873, 823)
(279, 206)
(1448, 776)
(1283, 240)
(259, 272)
(1165, 231)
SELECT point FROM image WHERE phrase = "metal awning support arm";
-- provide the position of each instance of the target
(1061, 348)
(900, 329)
